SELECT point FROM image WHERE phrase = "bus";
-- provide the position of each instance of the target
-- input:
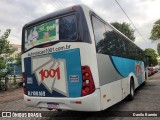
(74, 60)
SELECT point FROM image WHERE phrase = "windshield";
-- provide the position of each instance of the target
(63, 28)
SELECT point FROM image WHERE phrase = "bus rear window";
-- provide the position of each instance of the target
(63, 28)
(67, 28)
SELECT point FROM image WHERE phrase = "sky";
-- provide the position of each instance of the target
(14, 14)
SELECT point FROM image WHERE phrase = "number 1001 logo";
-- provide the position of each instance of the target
(52, 73)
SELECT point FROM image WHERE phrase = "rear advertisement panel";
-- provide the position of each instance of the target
(57, 74)
(43, 33)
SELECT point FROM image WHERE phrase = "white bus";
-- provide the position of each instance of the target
(72, 59)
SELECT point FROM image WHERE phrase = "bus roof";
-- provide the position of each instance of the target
(76, 8)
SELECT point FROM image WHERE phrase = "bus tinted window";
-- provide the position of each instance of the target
(67, 28)
(110, 42)
(122, 46)
(106, 38)
(99, 29)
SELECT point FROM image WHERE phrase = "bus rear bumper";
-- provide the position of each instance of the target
(87, 103)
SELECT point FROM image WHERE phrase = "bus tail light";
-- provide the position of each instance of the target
(88, 86)
(24, 87)
(24, 90)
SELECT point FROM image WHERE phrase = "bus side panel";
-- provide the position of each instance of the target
(114, 75)
(110, 95)
(127, 66)
(110, 82)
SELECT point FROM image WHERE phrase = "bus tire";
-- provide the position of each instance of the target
(132, 92)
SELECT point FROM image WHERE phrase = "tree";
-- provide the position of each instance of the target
(158, 49)
(155, 32)
(125, 29)
(152, 56)
(5, 49)
(18, 60)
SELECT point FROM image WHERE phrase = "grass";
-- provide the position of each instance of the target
(150, 78)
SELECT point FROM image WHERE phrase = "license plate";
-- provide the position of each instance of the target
(53, 105)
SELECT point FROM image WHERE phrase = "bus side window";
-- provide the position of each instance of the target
(99, 31)
(122, 47)
(111, 41)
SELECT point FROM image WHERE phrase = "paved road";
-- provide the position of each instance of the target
(147, 98)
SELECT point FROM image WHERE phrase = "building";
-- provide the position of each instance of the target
(17, 50)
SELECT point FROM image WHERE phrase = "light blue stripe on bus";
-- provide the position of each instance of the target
(126, 66)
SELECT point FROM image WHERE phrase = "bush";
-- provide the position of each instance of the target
(3, 86)
(20, 84)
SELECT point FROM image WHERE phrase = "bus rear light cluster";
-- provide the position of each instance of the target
(24, 90)
(24, 87)
(88, 86)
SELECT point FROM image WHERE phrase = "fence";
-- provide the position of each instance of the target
(10, 82)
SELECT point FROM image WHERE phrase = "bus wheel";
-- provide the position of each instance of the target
(131, 95)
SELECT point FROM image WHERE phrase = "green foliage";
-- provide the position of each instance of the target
(158, 49)
(18, 60)
(3, 86)
(10, 59)
(5, 49)
(155, 33)
(152, 56)
(125, 29)
(2, 67)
